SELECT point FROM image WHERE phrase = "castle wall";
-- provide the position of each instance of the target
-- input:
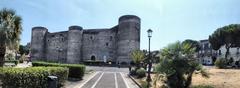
(99, 44)
(128, 37)
(74, 46)
(77, 45)
(56, 49)
(38, 43)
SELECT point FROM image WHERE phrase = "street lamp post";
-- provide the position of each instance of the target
(149, 58)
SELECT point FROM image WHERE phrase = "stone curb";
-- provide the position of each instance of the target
(134, 81)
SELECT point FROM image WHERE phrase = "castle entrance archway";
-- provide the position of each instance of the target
(93, 58)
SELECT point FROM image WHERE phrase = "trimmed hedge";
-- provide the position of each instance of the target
(11, 61)
(75, 70)
(32, 77)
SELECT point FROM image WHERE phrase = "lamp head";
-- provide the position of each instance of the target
(149, 33)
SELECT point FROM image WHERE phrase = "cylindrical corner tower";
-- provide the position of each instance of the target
(74, 44)
(128, 37)
(38, 43)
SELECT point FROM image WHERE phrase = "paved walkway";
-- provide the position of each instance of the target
(24, 65)
(108, 80)
(106, 77)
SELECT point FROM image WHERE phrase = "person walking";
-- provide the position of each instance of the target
(118, 64)
(130, 69)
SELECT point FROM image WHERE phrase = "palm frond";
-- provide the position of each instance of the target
(10, 28)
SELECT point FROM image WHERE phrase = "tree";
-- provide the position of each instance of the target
(10, 30)
(228, 36)
(137, 57)
(177, 64)
(193, 44)
(23, 49)
(155, 56)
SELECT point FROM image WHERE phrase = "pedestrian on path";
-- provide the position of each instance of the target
(130, 68)
(118, 64)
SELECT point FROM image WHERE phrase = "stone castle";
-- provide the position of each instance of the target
(79, 45)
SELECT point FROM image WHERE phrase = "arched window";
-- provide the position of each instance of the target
(219, 52)
(91, 37)
(111, 38)
(107, 44)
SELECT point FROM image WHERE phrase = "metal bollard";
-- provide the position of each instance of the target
(52, 81)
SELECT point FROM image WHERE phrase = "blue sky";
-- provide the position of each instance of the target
(170, 20)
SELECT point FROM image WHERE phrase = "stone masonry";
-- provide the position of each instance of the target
(81, 45)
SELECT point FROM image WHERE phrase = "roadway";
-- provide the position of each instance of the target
(109, 77)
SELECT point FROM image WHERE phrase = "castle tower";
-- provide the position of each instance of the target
(38, 43)
(74, 46)
(128, 37)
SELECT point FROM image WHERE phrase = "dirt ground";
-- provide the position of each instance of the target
(219, 78)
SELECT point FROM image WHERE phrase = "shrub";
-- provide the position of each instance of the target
(75, 70)
(133, 72)
(93, 63)
(12, 61)
(141, 73)
(33, 77)
(230, 61)
(144, 84)
(178, 64)
(1, 73)
(221, 63)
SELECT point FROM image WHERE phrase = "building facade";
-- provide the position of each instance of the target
(208, 56)
(79, 45)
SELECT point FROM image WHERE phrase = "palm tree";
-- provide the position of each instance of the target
(177, 65)
(138, 57)
(10, 30)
